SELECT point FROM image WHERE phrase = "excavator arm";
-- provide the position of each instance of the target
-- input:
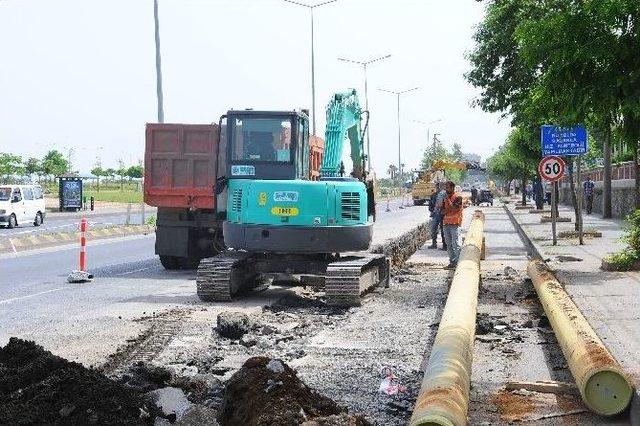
(343, 119)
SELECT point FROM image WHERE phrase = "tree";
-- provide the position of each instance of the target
(392, 171)
(121, 172)
(525, 70)
(98, 172)
(135, 172)
(10, 166)
(33, 167)
(54, 163)
(110, 173)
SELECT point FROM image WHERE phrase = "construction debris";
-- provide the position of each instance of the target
(39, 387)
(268, 392)
(544, 387)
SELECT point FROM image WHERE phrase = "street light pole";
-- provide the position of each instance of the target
(364, 65)
(158, 63)
(398, 111)
(313, 62)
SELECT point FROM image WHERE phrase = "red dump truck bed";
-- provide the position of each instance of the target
(180, 165)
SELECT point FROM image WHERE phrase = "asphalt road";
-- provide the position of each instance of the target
(86, 322)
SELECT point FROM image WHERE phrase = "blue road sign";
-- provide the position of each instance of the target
(560, 140)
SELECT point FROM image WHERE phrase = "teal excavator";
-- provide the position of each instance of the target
(281, 225)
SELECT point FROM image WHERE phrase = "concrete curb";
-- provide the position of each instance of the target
(634, 408)
(20, 244)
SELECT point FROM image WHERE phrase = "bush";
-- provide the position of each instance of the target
(626, 258)
(151, 220)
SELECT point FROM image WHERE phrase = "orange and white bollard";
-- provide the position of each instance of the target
(83, 244)
(81, 275)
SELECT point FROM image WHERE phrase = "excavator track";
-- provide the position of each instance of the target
(350, 277)
(215, 280)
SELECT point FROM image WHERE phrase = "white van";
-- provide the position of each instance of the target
(21, 204)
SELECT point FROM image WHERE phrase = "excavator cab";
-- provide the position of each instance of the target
(267, 145)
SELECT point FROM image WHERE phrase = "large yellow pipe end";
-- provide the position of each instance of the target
(431, 420)
(607, 392)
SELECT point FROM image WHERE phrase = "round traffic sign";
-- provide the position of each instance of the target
(551, 168)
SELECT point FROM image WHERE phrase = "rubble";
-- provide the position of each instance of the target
(268, 392)
(232, 325)
(39, 387)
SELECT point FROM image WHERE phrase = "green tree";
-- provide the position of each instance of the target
(98, 172)
(135, 172)
(10, 166)
(110, 173)
(121, 171)
(54, 163)
(33, 167)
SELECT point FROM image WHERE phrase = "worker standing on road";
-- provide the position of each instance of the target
(452, 209)
(474, 195)
(435, 204)
(588, 194)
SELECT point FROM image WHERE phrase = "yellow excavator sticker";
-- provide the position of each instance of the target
(262, 199)
(284, 211)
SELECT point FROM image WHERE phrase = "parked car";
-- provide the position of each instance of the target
(21, 204)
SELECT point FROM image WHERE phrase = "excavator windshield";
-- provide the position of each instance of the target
(267, 145)
(262, 139)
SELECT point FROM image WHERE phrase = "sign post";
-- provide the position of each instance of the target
(567, 141)
(552, 169)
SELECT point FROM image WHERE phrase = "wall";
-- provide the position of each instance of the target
(622, 197)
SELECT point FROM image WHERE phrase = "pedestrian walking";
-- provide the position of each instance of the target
(587, 188)
(435, 205)
(452, 208)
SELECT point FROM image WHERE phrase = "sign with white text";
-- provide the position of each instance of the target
(560, 140)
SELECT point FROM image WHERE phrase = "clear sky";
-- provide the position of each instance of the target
(81, 73)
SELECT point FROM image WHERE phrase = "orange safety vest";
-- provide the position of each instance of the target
(452, 213)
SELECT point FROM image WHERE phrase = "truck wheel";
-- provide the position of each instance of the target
(170, 262)
(12, 221)
(38, 220)
(189, 262)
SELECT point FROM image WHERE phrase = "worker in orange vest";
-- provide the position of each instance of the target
(452, 209)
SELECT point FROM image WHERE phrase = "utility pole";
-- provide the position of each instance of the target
(364, 65)
(398, 112)
(313, 62)
(158, 64)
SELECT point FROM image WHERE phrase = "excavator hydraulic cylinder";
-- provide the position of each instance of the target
(444, 395)
(604, 387)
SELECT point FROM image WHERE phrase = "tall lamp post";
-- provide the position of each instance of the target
(158, 63)
(364, 65)
(398, 108)
(313, 63)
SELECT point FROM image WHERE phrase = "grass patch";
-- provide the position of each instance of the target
(115, 195)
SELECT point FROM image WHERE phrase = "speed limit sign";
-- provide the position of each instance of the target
(551, 168)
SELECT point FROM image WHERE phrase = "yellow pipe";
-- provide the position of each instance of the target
(444, 396)
(603, 385)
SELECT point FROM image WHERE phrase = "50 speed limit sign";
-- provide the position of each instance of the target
(551, 168)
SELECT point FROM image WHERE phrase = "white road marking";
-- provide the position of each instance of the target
(31, 295)
(133, 272)
(12, 246)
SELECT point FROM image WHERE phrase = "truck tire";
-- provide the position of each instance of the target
(12, 221)
(170, 262)
(190, 262)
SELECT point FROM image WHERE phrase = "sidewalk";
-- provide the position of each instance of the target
(609, 300)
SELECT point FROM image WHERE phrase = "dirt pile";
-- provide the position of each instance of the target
(268, 392)
(39, 387)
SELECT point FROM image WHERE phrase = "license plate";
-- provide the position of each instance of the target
(284, 211)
